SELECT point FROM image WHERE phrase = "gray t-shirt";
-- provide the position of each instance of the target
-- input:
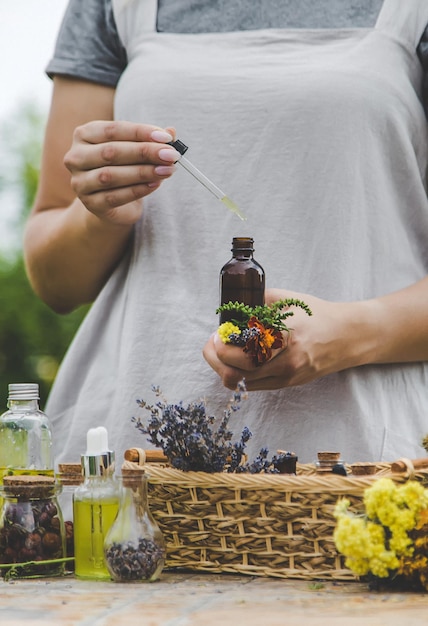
(88, 45)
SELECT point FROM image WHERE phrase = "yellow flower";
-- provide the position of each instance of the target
(226, 329)
(341, 507)
(390, 537)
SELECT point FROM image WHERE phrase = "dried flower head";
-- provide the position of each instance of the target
(390, 540)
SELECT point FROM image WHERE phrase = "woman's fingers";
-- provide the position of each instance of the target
(116, 163)
(87, 156)
(100, 131)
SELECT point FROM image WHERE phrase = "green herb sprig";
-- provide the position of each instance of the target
(271, 316)
(31, 569)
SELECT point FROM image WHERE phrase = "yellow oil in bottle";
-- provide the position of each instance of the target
(92, 520)
(14, 471)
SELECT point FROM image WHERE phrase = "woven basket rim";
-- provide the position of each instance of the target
(310, 482)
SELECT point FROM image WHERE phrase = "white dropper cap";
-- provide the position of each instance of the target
(98, 459)
(96, 441)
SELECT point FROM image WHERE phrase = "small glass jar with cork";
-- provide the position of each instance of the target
(32, 533)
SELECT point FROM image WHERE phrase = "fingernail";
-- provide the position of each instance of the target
(161, 136)
(165, 170)
(169, 154)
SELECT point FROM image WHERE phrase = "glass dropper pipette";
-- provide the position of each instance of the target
(206, 182)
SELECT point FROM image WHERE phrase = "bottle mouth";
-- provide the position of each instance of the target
(243, 243)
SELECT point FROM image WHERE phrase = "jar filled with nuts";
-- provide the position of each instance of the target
(31, 527)
(134, 547)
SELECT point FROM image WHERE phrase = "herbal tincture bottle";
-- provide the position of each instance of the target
(242, 279)
(25, 434)
(95, 505)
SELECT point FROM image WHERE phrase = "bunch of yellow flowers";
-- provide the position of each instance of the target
(389, 540)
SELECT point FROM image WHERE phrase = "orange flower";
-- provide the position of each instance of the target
(259, 346)
(423, 519)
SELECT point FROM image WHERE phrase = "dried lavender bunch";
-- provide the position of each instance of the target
(187, 437)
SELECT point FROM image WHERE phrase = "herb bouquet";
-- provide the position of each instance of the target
(258, 329)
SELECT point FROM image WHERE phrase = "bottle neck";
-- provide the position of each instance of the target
(134, 490)
(242, 247)
(242, 253)
(23, 405)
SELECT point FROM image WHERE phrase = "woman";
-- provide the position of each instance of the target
(310, 116)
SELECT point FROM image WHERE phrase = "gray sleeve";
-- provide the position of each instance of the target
(88, 45)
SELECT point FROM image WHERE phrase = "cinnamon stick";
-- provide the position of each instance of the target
(403, 465)
(152, 456)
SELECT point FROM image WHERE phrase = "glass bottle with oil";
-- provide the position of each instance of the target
(25, 434)
(95, 505)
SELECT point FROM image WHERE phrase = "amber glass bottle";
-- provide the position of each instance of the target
(242, 279)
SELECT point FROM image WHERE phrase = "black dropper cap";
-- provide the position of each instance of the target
(179, 146)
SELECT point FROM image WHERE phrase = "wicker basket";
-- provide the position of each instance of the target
(260, 525)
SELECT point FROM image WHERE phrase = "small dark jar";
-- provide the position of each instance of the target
(31, 526)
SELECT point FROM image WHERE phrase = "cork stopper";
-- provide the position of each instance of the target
(29, 486)
(70, 468)
(70, 473)
(363, 469)
(328, 461)
(132, 473)
(329, 457)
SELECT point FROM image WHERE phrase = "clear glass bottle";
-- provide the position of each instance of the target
(95, 505)
(25, 434)
(31, 526)
(134, 546)
(242, 278)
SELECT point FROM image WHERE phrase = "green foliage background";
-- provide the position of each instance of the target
(33, 339)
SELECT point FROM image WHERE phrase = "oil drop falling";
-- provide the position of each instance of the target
(233, 207)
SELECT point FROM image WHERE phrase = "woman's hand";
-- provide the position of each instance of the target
(335, 337)
(93, 177)
(115, 164)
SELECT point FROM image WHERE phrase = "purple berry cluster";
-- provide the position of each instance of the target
(240, 339)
